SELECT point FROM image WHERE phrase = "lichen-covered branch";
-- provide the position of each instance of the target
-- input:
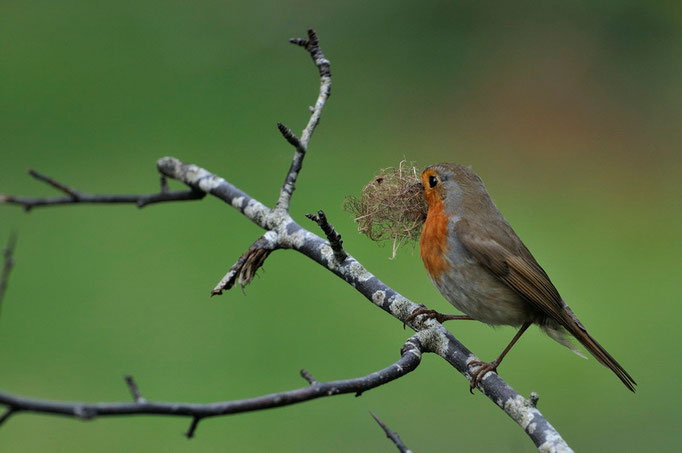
(408, 362)
(312, 45)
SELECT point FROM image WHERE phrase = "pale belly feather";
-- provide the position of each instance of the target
(473, 290)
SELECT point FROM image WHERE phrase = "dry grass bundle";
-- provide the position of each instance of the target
(391, 207)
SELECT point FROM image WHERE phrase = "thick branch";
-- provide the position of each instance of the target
(409, 360)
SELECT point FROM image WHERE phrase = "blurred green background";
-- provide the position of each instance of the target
(570, 113)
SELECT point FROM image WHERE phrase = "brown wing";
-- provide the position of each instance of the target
(521, 273)
(516, 267)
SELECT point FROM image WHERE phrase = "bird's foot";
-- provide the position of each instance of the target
(478, 375)
(433, 314)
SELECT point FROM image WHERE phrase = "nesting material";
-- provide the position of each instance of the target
(392, 206)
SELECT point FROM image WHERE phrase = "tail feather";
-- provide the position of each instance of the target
(557, 332)
(573, 325)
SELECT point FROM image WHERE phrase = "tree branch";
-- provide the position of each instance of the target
(283, 231)
(408, 362)
(312, 45)
(74, 196)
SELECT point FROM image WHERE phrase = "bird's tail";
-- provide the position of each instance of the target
(573, 325)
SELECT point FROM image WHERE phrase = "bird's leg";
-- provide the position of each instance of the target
(433, 314)
(484, 367)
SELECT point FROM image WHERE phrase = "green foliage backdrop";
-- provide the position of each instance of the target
(569, 113)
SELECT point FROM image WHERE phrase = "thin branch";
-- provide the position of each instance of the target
(408, 362)
(134, 389)
(54, 183)
(290, 137)
(7, 265)
(246, 266)
(74, 196)
(308, 377)
(395, 438)
(312, 45)
(333, 237)
(164, 184)
(192, 427)
(7, 414)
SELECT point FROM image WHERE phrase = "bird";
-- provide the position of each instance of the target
(481, 266)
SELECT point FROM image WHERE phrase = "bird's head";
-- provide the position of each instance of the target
(452, 186)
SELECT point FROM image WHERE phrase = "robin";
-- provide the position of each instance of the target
(480, 266)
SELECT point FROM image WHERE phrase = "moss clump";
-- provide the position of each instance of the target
(392, 206)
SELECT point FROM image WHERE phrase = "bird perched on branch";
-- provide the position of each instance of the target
(480, 266)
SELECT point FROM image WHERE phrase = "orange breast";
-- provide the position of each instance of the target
(434, 240)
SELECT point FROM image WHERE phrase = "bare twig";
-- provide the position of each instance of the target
(192, 427)
(312, 45)
(6, 415)
(308, 377)
(54, 183)
(290, 137)
(134, 389)
(408, 362)
(395, 438)
(8, 264)
(333, 237)
(76, 197)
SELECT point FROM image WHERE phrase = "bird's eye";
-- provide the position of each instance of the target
(433, 181)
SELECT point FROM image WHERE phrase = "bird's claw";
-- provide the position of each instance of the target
(478, 375)
(433, 314)
(421, 311)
